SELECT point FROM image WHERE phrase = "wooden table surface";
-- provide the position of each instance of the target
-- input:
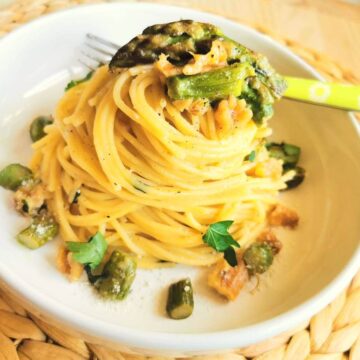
(330, 26)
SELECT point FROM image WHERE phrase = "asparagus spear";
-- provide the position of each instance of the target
(213, 85)
(194, 29)
(265, 73)
(259, 98)
(176, 39)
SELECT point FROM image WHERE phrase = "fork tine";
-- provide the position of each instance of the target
(103, 41)
(100, 50)
(97, 51)
(87, 65)
(95, 58)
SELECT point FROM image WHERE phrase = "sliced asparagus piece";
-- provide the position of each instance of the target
(179, 40)
(212, 85)
(37, 127)
(117, 276)
(14, 175)
(42, 229)
(180, 302)
(297, 179)
(258, 257)
(290, 154)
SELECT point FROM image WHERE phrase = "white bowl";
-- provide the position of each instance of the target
(318, 260)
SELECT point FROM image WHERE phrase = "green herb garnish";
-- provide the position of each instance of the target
(218, 237)
(73, 83)
(90, 253)
(251, 157)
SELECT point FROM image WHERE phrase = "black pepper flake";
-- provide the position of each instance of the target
(76, 197)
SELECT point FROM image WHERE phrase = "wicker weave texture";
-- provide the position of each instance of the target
(332, 334)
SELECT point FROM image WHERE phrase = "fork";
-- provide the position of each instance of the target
(97, 51)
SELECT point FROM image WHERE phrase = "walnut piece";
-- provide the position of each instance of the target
(270, 238)
(280, 215)
(228, 280)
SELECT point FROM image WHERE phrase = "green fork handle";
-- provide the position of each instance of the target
(341, 96)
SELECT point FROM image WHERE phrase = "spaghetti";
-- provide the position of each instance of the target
(153, 176)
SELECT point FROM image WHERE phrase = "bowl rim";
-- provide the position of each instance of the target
(190, 342)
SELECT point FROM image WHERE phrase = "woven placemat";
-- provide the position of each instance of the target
(332, 334)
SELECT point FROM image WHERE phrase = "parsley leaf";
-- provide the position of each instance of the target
(219, 238)
(73, 83)
(90, 253)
